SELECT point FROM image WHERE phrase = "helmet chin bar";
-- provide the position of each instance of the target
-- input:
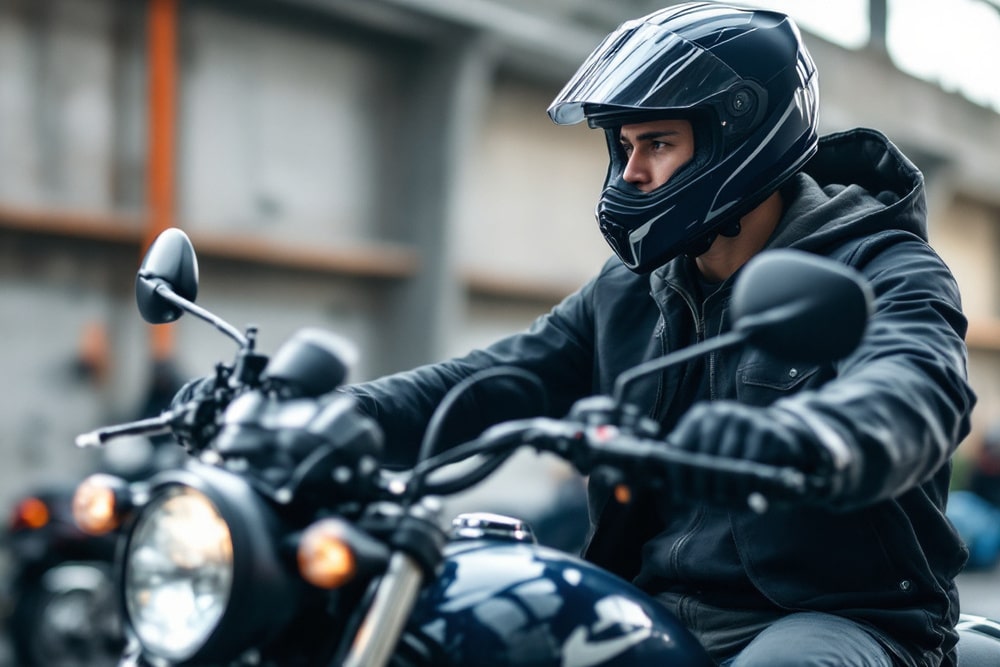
(708, 142)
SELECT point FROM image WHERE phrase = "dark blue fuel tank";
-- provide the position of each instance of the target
(509, 603)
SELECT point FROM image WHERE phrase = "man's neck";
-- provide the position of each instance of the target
(727, 254)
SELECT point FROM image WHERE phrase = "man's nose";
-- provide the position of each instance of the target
(635, 171)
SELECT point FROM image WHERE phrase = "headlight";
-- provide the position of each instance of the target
(204, 575)
(178, 572)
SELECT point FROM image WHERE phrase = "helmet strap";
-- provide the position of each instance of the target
(731, 229)
(701, 244)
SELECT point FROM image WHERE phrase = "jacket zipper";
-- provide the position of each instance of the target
(675, 551)
(713, 358)
(699, 327)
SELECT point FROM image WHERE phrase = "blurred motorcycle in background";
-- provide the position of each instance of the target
(60, 592)
(59, 606)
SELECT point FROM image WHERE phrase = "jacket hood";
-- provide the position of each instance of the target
(858, 184)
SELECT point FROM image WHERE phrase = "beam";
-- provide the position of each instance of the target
(162, 120)
(380, 261)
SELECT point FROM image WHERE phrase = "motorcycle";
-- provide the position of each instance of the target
(60, 591)
(285, 540)
(60, 608)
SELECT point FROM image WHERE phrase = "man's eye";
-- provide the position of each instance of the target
(627, 149)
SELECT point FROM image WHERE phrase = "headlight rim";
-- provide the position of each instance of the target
(157, 500)
(257, 533)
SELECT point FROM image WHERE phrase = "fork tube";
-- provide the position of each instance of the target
(387, 616)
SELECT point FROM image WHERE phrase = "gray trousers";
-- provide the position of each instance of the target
(812, 639)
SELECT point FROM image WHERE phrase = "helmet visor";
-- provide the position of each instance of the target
(640, 67)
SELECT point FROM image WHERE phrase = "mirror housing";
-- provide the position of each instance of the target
(800, 307)
(171, 262)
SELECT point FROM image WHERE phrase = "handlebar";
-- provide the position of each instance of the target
(590, 447)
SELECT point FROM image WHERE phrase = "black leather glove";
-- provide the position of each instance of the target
(733, 430)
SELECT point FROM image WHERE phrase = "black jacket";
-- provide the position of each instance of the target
(884, 554)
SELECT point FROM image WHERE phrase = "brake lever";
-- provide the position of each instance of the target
(182, 421)
(158, 425)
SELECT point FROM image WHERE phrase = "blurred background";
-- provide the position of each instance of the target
(384, 169)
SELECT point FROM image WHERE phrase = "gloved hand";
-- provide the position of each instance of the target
(733, 430)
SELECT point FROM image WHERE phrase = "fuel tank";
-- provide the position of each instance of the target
(503, 600)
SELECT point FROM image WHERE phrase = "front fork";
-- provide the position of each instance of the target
(388, 613)
(418, 546)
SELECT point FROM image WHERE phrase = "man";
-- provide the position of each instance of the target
(710, 115)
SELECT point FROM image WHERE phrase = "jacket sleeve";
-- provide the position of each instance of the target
(557, 348)
(901, 402)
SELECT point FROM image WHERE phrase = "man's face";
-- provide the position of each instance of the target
(655, 149)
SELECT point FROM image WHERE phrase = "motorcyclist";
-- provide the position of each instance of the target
(710, 116)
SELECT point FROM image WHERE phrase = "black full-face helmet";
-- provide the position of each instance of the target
(747, 84)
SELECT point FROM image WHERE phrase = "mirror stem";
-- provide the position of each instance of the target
(629, 377)
(164, 291)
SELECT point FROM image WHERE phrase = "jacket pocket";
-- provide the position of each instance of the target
(763, 381)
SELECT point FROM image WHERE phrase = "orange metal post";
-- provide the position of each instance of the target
(162, 119)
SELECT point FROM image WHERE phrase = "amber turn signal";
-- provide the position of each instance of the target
(97, 504)
(31, 514)
(325, 558)
(623, 494)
